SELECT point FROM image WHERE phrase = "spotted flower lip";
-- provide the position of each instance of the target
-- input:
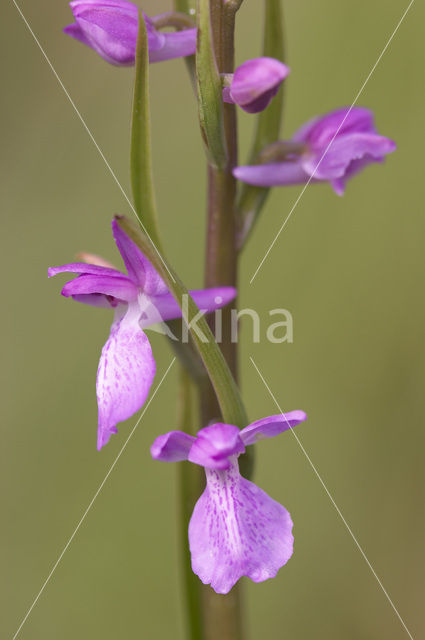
(339, 145)
(110, 28)
(140, 299)
(255, 83)
(236, 529)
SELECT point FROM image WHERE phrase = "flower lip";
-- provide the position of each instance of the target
(215, 444)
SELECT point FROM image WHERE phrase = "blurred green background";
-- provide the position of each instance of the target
(350, 270)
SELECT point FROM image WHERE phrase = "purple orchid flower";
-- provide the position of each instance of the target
(110, 28)
(236, 529)
(255, 83)
(326, 159)
(140, 299)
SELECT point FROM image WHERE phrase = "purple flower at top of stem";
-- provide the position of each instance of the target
(255, 83)
(338, 145)
(140, 299)
(110, 28)
(236, 529)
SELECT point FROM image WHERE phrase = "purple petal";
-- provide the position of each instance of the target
(237, 530)
(173, 446)
(164, 307)
(343, 151)
(215, 444)
(84, 269)
(255, 82)
(138, 267)
(176, 45)
(270, 175)
(98, 300)
(355, 166)
(271, 426)
(125, 374)
(260, 103)
(110, 28)
(320, 130)
(121, 288)
(75, 32)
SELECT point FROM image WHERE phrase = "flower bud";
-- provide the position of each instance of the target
(255, 83)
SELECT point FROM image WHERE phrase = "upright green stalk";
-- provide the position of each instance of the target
(252, 199)
(221, 613)
(210, 615)
(191, 482)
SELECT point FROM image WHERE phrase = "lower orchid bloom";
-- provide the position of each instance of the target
(140, 299)
(336, 147)
(236, 529)
(110, 27)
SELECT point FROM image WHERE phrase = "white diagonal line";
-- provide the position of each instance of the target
(45, 583)
(331, 142)
(83, 122)
(347, 526)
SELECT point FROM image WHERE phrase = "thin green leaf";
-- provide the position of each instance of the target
(227, 392)
(141, 153)
(269, 121)
(210, 92)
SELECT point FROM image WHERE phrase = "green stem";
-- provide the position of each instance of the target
(222, 613)
(252, 199)
(176, 19)
(191, 484)
(188, 7)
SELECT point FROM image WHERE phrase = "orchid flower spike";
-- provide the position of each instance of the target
(255, 83)
(236, 529)
(110, 28)
(140, 299)
(338, 146)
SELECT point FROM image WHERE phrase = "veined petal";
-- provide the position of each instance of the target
(345, 150)
(85, 269)
(214, 445)
(164, 307)
(270, 175)
(110, 28)
(138, 267)
(271, 426)
(125, 374)
(319, 131)
(176, 44)
(173, 446)
(121, 288)
(112, 35)
(237, 530)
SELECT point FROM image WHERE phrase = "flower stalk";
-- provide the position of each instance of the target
(252, 199)
(222, 613)
(191, 484)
